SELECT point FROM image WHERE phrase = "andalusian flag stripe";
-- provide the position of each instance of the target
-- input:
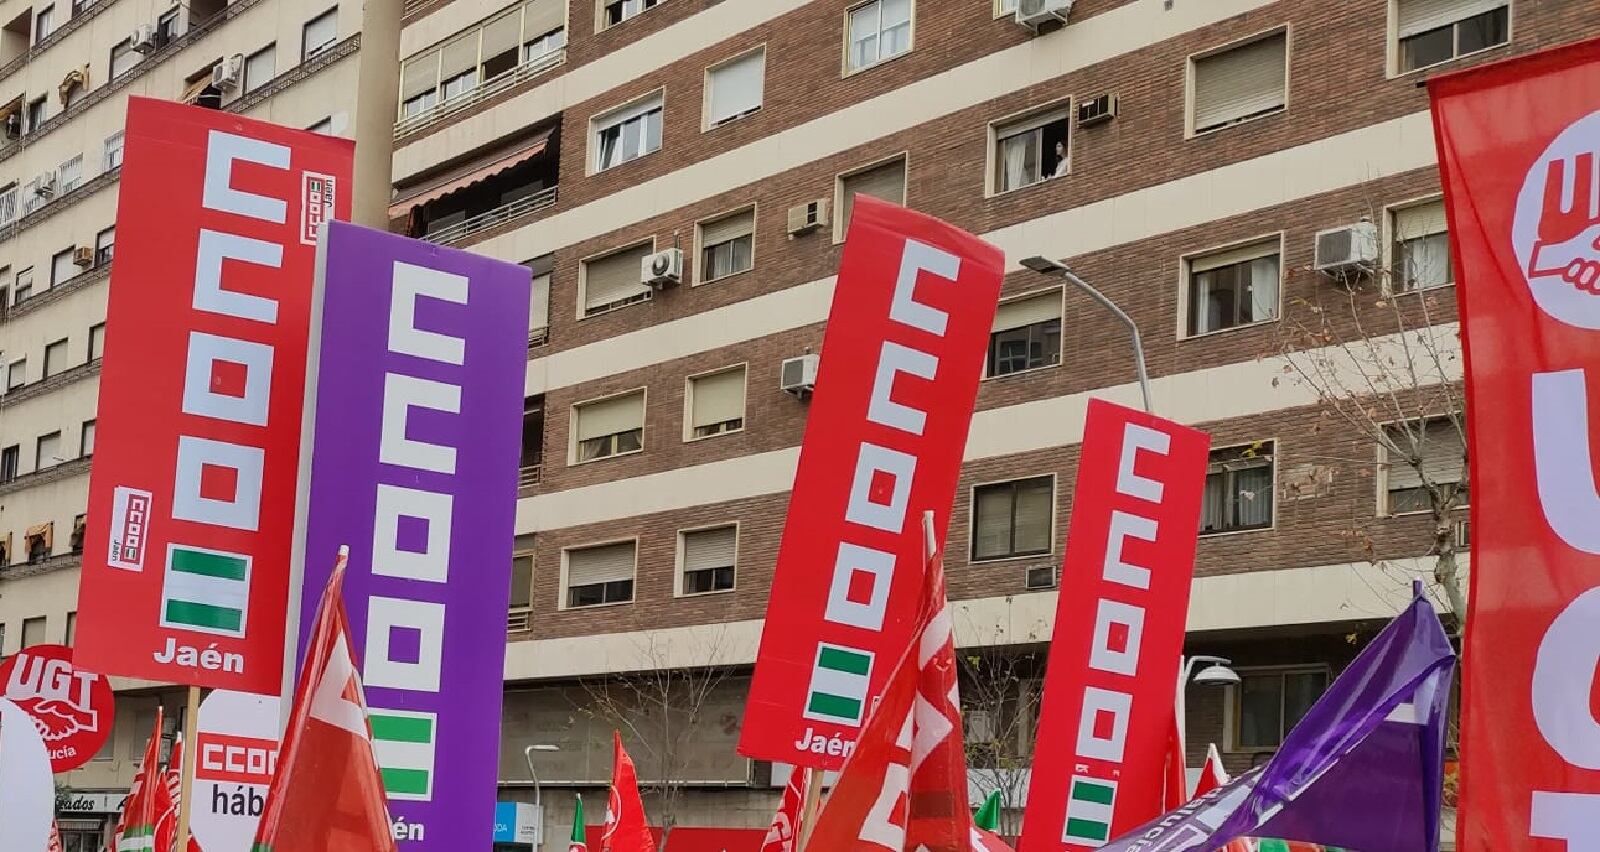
(403, 743)
(1090, 805)
(839, 683)
(205, 590)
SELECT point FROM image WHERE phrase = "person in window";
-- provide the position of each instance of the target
(1061, 158)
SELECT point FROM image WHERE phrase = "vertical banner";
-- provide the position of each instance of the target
(1519, 148)
(1107, 708)
(414, 425)
(901, 360)
(191, 499)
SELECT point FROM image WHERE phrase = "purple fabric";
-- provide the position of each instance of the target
(1363, 770)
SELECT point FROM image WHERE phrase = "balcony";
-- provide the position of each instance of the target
(524, 72)
(481, 191)
(54, 473)
(460, 231)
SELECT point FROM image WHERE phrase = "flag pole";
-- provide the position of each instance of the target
(808, 808)
(191, 715)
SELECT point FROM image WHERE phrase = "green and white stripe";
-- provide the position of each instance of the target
(403, 742)
(1089, 808)
(205, 590)
(839, 681)
(140, 838)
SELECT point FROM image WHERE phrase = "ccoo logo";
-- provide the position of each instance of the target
(1556, 230)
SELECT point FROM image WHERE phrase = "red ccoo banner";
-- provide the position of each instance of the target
(1107, 709)
(899, 375)
(191, 499)
(1519, 149)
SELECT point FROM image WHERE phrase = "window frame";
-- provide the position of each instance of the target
(699, 242)
(600, 24)
(1065, 105)
(38, 451)
(583, 280)
(11, 366)
(65, 347)
(681, 551)
(87, 430)
(533, 571)
(972, 519)
(839, 223)
(1000, 10)
(846, 69)
(1381, 477)
(1272, 521)
(706, 125)
(104, 247)
(618, 115)
(565, 592)
(1393, 51)
(1390, 239)
(309, 52)
(1233, 703)
(72, 271)
(247, 83)
(573, 417)
(1061, 344)
(97, 330)
(122, 48)
(689, 436)
(106, 148)
(1190, 131)
(1186, 282)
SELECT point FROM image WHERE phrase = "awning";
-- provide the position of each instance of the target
(467, 175)
(44, 531)
(76, 78)
(10, 108)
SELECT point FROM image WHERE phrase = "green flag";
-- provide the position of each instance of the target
(580, 841)
(988, 816)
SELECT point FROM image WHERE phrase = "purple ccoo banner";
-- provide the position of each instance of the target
(414, 421)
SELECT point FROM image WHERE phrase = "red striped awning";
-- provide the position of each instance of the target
(459, 179)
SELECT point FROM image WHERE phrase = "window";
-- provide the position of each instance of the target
(734, 88)
(544, 45)
(532, 433)
(459, 84)
(600, 575)
(1031, 149)
(44, 23)
(10, 459)
(1268, 704)
(1440, 454)
(715, 403)
(727, 245)
(1005, 7)
(123, 58)
(17, 374)
(522, 581)
(1421, 249)
(318, 33)
(104, 245)
(61, 266)
(707, 557)
(97, 341)
(613, 12)
(1011, 519)
(886, 181)
(38, 111)
(8, 204)
(75, 542)
(71, 636)
(86, 440)
(539, 310)
(608, 427)
(1435, 31)
(627, 133)
(55, 358)
(1027, 334)
(325, 126)
(1233, 288)
(167, 26)
(24, 287)
(1239, 83)
(1239, 489)
(47, 451)
(71, 173)
(878, 31)
(260, 67)
(32, 631)
(613, 281)
(113, 158)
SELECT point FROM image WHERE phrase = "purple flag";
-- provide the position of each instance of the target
(1363, 770)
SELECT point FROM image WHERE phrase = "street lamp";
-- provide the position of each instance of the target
(527, 755)
(1216, 673)
(1050, 267)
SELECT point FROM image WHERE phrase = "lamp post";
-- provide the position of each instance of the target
(538, 799)
(1050, 267)
(1216, 673)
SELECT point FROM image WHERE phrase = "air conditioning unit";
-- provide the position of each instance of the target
(225, 75)
(799, 375)
(45, 187)
(1037, 577)
(1352, 248)
(1096, 110)
(83, 256)
(1463, 535)
(1033, 13)
(662, 269)
(808, 217)
(144, 38)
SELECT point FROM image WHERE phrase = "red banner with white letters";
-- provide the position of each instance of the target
(901, 360)
(1519, 149)
(192, 494)
(1107, 710)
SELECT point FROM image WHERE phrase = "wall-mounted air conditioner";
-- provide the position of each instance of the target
(1352, 248)
(808, 217)
(1033, 13)
(799, 375)
(662, 269)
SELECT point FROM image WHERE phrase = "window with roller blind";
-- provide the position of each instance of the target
(1441, 460)
(1419, 253)
(529, 33)
(714, 403)
(1430, 32)
(612, 281)
(260, 67)
(1013, 519)
(55, 358)
(885, 180)
(319, 33)
(706, 559)
(1027, 334)
(601, 574)
(32, 631)
(1232, 288)
(539, 311)
(603, 428)
(1239, 82)
(1239, 489)
(626, 133)
(727, 245)
(734, 88)
(521, 582)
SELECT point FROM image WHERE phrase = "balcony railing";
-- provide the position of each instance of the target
(519, 621)
(530, 475)
(488, 219)
(60, 291)
(538, 337)
(491, 87)
(45, 385)
(22, 568)
(53, 473)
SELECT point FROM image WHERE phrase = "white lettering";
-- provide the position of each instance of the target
(880, 828)
(1134, 439)
(405, 338)
(400, 395)
(209, 294)
(1566, 816)
(1561, 462)
(432, 563)
(1101, 655)
(243, 510)
(201, 398)
(424, 618)
(876, 564)
(217, 192)
(862, 509)
(904, 308)
(881, 408)
(189, 656)
(1117, 569)
(1563, 680)
(1097, 701)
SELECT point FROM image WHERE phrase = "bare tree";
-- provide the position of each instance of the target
(666, 710)
(1000, 708)
(1375, 350)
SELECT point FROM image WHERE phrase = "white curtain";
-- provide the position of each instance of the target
(1016, 160)
(1253, 493)
(1264, 288)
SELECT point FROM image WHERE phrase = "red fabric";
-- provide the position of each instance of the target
(988, 841)
(327, 794)
(1212, 775)
(1519, 154)
(693, 838)
(1175, 790)
(54, 843)
(148, 799)
(780, 836)
(167, 824)
(626, 829)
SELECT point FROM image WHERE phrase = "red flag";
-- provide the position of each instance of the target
(1519, 157)
(167, 824)
(781, 836)
(1175, 789)
(905, 784)
(625, 829)
(1212, 775)
(146, 802)
(54, 843)
(327, 794)
(988, 841)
